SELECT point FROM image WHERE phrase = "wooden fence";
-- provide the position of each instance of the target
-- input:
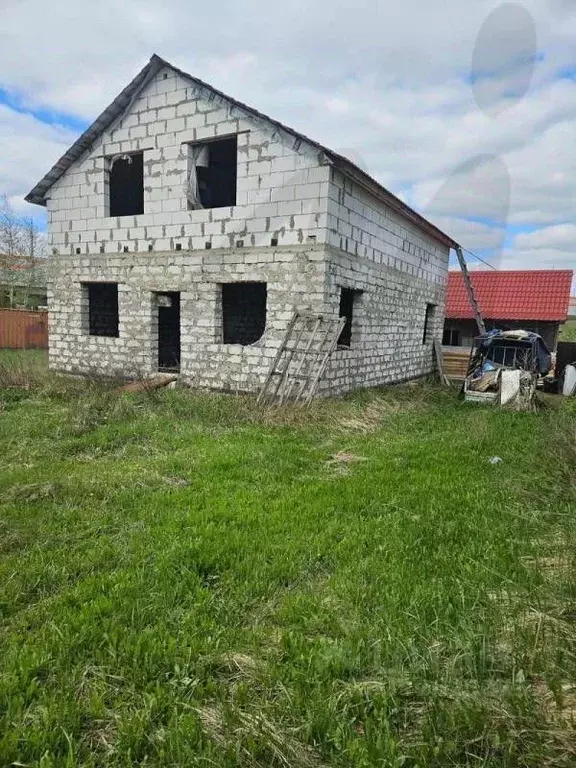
(22, 329)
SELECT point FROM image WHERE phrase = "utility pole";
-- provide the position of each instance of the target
(470, 290)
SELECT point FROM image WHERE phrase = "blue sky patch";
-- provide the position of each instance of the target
(18, 103)
(567, 73)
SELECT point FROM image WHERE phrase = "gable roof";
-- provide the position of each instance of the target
(123, 101)
(539, 294)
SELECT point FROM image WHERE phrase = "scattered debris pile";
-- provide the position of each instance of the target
(505, 367)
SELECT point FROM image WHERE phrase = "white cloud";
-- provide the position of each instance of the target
(28, 149)
(544, 175)
(298, 42)
(389, 81)
(562, 237)
(476, 236)
(549, 258)
(546, 248)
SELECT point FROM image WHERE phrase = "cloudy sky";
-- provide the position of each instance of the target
(466, 108)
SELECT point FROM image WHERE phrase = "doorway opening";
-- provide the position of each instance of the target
(168, 331)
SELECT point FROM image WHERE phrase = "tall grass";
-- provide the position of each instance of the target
(568, 330)
(189, 580)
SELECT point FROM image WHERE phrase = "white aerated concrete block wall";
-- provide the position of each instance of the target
(306, 232)
(399, 269)
(295, 281)
(282, 188)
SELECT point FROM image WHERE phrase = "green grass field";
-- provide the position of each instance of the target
(186, 581)
(568, 330)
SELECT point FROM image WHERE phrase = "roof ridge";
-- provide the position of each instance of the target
(128, 94)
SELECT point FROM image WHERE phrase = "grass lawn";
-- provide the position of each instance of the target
(185, 581)
(568, 330)
(26, 359)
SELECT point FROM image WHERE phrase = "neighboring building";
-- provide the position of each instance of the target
(23, 286)
(572, 307)
(186, 228)
(535, 300)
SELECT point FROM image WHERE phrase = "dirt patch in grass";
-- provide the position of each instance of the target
(258, 741)
(340, 463)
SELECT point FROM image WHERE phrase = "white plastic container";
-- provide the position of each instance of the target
(569, 387)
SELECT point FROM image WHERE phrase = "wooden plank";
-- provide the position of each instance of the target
(470, 290)
(439, 362)
(147, 384)
(289, 375)
(274, 368)
(298, 374)
(456, 362)
(283, 383)
(336, 335)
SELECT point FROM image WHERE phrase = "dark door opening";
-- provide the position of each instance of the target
(168, 331)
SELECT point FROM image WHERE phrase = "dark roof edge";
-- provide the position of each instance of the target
(120, 103)
(37, 194)
(339, 161)
(389, 198)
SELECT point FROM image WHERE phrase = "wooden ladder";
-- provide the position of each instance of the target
(470, 290)
(302, 359)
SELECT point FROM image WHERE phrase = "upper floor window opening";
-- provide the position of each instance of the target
(212, 174)
(126, 184)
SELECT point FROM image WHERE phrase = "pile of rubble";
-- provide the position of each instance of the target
(505, 368)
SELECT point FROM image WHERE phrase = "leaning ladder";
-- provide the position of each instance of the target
(470, 289)
(301, 359)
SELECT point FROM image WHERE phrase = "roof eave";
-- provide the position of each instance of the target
(384, 195)
(38, 194)
(339, 161)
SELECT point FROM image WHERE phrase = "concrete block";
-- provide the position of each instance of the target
(138, 132)
(303, 191)
(166, 113)
(165, 140)
(283, 164)
(205, 132)
(186, 109)
(195, 121)
(226, 127)
(283, 194)
(177, 124)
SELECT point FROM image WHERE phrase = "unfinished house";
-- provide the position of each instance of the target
(186, 228)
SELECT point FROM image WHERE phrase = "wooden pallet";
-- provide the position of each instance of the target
(302, 359)
(456, 362)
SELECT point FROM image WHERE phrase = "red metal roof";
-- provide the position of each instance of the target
(539, 294)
